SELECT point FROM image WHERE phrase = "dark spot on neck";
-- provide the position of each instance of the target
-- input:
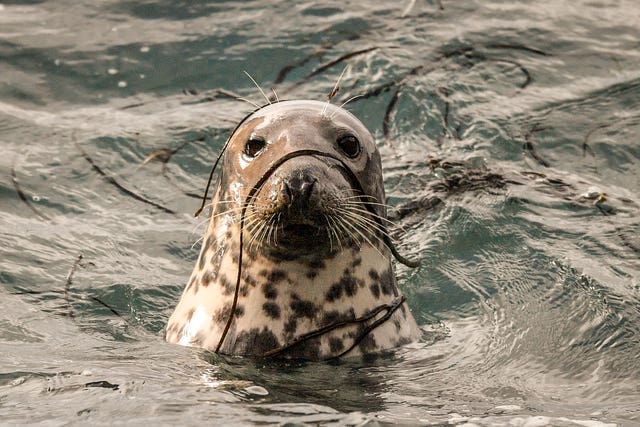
(375, 290)
(208, 277)
(334, 316)
(347, 285)
(269, 290)
(227, 287)
(316, 264)
(249, 279)
(222, 314)
(271, 309)
(367, 343)
(255, 342)
(388, 283)
(303, 308)
(244, 290)
(309, 350)
(274, 275)
(334, 292)
(291, 326)
(335, 345)
(239, 310)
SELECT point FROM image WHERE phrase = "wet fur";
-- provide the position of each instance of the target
(284, 293)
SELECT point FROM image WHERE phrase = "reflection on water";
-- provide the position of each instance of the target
(509, 138)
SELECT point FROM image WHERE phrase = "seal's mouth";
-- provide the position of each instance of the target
(285, 235)
(296, 234)
(299, 230)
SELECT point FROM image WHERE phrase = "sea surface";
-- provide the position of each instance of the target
(510, 137)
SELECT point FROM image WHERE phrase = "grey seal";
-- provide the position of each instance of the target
(296, 261)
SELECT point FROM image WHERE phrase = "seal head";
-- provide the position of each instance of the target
(294, 261)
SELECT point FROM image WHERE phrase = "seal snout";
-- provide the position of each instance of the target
(296, 189)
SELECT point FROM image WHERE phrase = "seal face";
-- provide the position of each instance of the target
(294, 261)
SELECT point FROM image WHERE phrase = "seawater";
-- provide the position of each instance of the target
(510, 138)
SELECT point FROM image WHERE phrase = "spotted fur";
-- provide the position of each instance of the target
(285, 294)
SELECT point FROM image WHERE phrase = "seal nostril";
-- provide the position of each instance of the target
(298, 189)
(285, 191)
(306, 188)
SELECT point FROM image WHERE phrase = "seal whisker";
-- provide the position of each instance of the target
(252, 240)
(370, 200)
(366, 223)
(195, 228)
(196, 242)
(265, 236)
(255, 227)
(226, 211)
(221, 213)
(264, 230)
(277, 226)
(353, 98)
(248, 101)
(258, 86)
(268, 235)
(384, 221)
(221, 202)
(329, 229)
(273, 226)
(374, 216)
(363, 220)
(252, 224)
(333, 93)
(346, 228)
(234, 209)
(353, 224)
(335, 227)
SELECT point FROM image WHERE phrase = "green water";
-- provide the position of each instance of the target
(509, 133)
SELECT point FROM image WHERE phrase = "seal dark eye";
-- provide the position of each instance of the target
(349, 145)
(254, 146)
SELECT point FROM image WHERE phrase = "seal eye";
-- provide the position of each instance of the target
(349, 145)
(254, 146)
